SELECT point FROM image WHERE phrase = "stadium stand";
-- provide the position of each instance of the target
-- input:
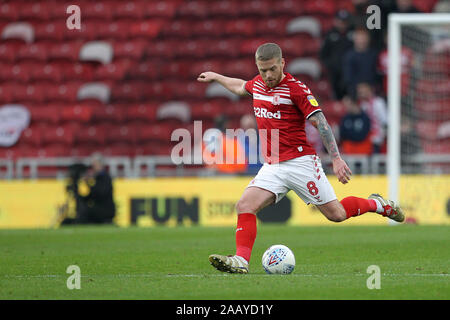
(103, 88)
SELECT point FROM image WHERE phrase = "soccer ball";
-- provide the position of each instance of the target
(278, 259)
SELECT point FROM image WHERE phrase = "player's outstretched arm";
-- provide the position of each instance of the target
(237, 86)
(340, 168)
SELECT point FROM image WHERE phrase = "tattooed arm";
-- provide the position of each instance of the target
(340, 168)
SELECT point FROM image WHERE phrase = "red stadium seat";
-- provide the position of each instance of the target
(433, 108)
(118, 149)
(38, 10)
(210, 27)
(320, 7)
(275, 26)
(54, 150)
(129, 49)
(288, 7)
(164, 49)
(92, 134)
(150, 70)
(225, 8)
(205, 65)
(89, 31)
(245, 68)
(46, 72)
(192, 49)
(10, 11)
(187, 89)
(160, 9)
(67, 50)
(83, 150)
(146, 28)
(109, 113)
(31, 136)
(9, 50)
(122, 133)
(207, 110)
(241, 27)
(129, 9)
(79, 112)
(103, 10)
(30, 92)
(158, 91)
(76, 71)
(256, 8)
(178, 28)
(224, 47)
(112, 71)
(428, 129)
(193, 8)
(49, 30)
(158, 132)
(442, 147)
(130, 90)
(59, 134)
(111, 29)
(433, 87)
(45, 113)
(249, 46)
(64, 92)
(142, 112)
(178, 70)
(7, 90)
(35, 51)
(16, 72)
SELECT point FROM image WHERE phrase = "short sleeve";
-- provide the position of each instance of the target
(249, 85)
(302, 96)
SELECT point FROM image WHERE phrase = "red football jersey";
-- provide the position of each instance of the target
(284, 108)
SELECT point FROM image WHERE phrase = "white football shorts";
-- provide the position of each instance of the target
(304, 175)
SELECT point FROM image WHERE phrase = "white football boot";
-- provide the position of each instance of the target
(231, 264)
(391, 209)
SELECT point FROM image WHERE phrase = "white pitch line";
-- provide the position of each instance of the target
(44, 276)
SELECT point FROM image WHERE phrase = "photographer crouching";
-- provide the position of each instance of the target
(92, 191)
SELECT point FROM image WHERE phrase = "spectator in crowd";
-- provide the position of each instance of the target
(360, 18)
(442, 6)
(409, 138)
(406, 61)
(336, 43)
(354, 129)
(376, 109)
(250, 141)
(94, 196)
(360, 62)
(223, 154)
(404, 6)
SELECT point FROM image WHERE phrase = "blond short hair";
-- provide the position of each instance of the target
(268, 51)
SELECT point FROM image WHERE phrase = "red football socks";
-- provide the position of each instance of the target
(355, 206)
(245, 235)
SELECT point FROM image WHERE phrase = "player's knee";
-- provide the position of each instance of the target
(337, 215)
(245, 206)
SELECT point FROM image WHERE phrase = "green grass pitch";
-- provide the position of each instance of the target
(172, 263)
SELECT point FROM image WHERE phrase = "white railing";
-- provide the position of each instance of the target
(153, 166)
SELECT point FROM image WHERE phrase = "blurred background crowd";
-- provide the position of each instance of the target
(126, 80)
